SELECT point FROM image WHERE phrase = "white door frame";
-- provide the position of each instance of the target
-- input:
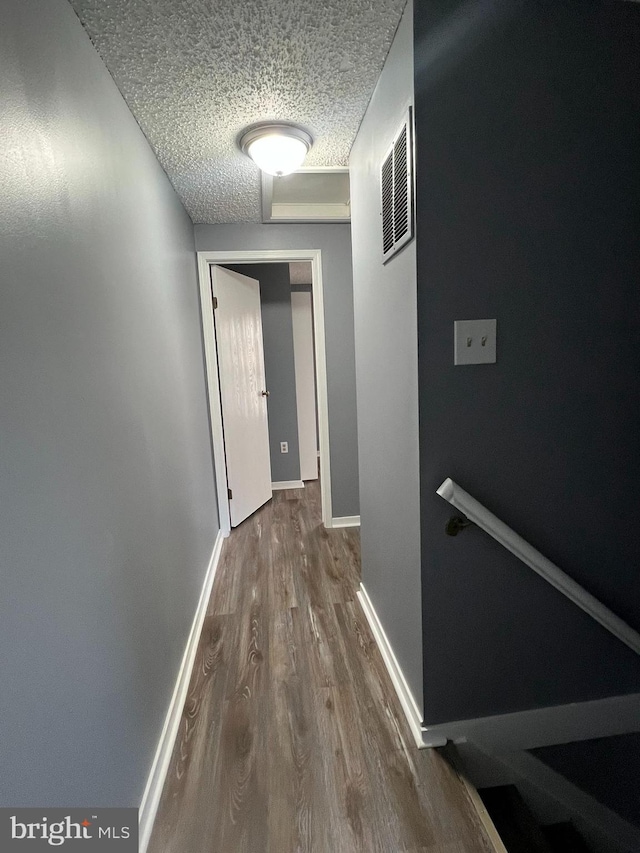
(205, 259)
(304, 359)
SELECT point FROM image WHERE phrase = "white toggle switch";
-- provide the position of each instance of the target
(474, 341)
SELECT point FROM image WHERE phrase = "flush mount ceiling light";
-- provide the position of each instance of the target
(276, 148)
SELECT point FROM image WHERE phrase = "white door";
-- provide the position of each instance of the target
(303, 355)
(243, 395)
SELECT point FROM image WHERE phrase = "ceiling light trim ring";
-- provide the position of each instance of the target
(275, 127)
(279, 130)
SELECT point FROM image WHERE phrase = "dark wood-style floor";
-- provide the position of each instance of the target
(292, 738)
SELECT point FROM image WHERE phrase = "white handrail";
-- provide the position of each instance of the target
(509, 539)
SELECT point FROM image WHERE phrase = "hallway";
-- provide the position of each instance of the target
(292, 738)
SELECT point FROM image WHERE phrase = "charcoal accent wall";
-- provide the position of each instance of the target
(528, 210)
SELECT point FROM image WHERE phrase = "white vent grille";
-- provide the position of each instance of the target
(387, 204)
(396, 181)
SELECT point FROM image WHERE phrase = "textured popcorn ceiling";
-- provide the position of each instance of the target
(196, 72)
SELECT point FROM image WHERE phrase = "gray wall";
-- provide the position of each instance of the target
(279, 365)
(335, 243)
(106, 486)
(387, 376)
(528, 211)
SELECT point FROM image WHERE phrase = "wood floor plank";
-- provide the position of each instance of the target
(292, 739)
(198, 740)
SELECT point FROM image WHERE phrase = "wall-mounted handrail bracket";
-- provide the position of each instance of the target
(478, 514)
(456, 524)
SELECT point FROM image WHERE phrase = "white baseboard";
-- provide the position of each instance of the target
(160, 766)
(346, 521)
(551, 797)
(287, 484)
(603, 829)
(614, 715)
(407, 700)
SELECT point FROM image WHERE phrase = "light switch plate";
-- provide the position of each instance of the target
(474, 341)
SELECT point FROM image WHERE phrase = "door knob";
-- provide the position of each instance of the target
(265, 393)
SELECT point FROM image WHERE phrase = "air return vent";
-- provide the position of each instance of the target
(396, 181)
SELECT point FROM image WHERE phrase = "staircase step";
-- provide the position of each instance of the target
(516, 825)
(564, 838)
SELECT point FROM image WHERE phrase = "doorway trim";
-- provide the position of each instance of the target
(262, 256)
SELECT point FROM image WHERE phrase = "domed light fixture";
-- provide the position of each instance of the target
(276, 147)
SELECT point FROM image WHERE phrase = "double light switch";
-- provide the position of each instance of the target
(474, 341)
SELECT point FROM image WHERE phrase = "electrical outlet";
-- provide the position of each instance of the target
(284, 447)
(474, 341)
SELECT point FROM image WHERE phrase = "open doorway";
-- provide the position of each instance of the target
(312, 257)
(287, 336)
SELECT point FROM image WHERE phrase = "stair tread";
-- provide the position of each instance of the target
(514, 821)
(565, 838)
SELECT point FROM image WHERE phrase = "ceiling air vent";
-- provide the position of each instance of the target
(396, 181)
